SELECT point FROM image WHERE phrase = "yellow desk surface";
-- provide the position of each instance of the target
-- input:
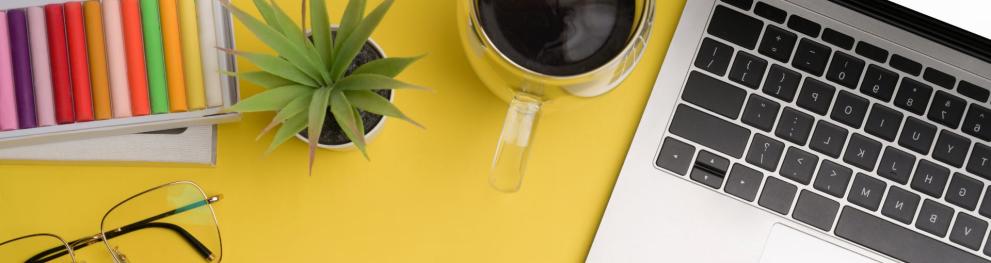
(423, 197)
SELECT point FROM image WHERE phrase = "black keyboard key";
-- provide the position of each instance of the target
(838, 39)
(951, 148)
(934, 218)
(799, 165)
(977, 122)
(845, 70)
(782, 83)
(804, 26)
(896, 165)
(706, 177)
(947, 109)
(862, 152)
(735, 27)
(815, 96)
(828, 139)
(896, 241)
(939, 78)
(760, 113)
(816, 210)
(968, 231)
(883, 122)
(714, 56)
(879, 83)
(748, 70)
(913, 96)
(866, 192)
(710, 169)
(794, 126)
(973, 91)
(771, 13)
(765, 152)
(700, 88)
(742, 4)
(778, 195)
(675, 156)
(850, 109)
(980, 161)
(778, 43)
(900, 205)
(811, 57)
(964, 191)
(917, 135)
(930, 178)
(832, 178)
(712, 162)
(711, 131)
(872, 52)
(986, 204)
(906, 65)
(743, 182)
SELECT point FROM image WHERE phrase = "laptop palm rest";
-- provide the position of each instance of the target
(787, 245)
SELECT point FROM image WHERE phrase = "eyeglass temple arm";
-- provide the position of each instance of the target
(60, 251)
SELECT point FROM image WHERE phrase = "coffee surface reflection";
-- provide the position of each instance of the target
(558, 37)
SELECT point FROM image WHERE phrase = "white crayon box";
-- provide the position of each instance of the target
(214, 30)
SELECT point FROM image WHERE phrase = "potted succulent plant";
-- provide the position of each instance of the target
(334, 79)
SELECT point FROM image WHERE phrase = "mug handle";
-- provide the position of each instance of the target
(509, 162)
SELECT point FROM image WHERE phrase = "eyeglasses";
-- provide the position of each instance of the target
(174, 222)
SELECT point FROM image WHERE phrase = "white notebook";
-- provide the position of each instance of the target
(193, 145)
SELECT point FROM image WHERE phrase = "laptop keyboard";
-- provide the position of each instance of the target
(854, 140)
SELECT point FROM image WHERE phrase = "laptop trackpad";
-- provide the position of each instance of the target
(787, 245)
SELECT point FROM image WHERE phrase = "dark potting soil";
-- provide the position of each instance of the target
(332, 133)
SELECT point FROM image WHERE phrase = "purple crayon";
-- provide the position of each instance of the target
(21, 62)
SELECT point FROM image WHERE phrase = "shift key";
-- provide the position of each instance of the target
(713, 94)
(709, 130)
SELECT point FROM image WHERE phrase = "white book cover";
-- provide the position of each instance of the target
(193, 145)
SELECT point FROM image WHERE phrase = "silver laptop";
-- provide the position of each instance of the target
(812, 131)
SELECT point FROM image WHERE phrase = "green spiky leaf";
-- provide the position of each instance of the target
(292, 31)
(295, 54)
(344, 114)
(290, 128)
(265, 80)
(322, 37)
(360, 124)
(318, 110)
(352, 43)
(353, 14)
(389, 67)
(374, 103)
(266, 11)
(271, 100)
(372, 82)
(278, 66)
(295, 107)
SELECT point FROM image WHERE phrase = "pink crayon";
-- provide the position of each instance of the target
(44, 101)
(8, 104)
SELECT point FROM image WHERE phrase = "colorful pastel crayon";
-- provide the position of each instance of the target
(8, 104)
(96, 46)
(20, 52)
(208, 52)
(193, 69)
(120, 93)
(58, 52)
(41, 66)
(75, 30)
(154, 56)
(173, 55)
(137, 72)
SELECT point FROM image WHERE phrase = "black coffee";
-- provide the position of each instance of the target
(558, 37)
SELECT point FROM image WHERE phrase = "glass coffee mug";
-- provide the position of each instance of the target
(534, 52)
